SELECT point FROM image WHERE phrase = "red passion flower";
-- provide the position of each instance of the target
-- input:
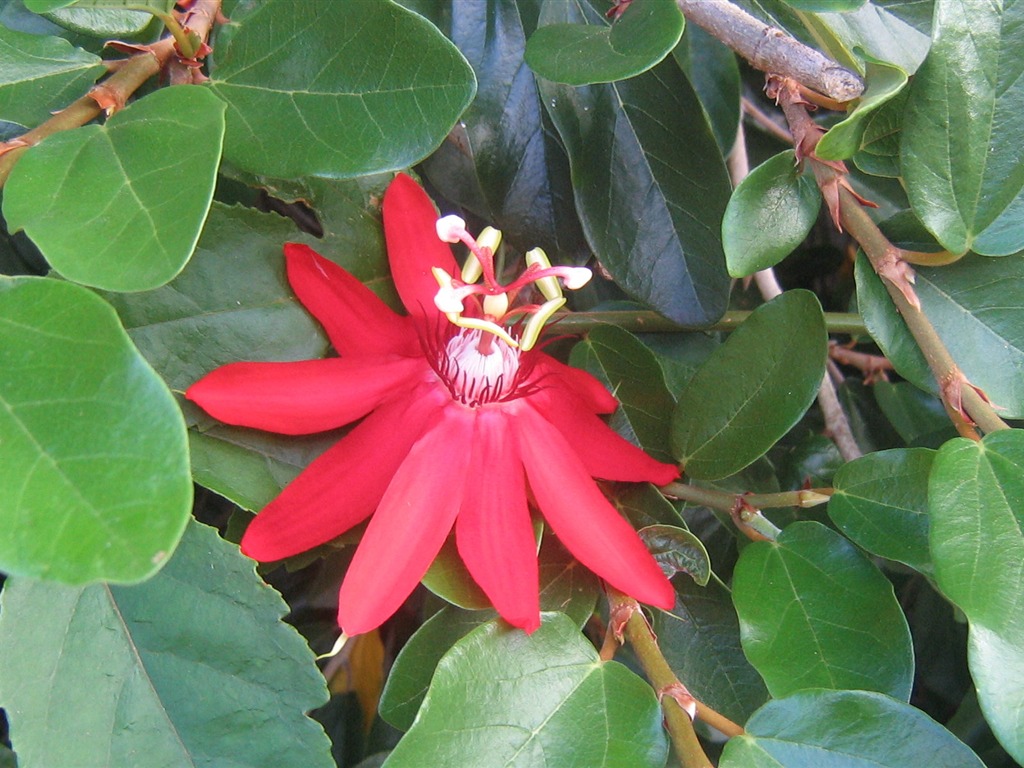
(463, 423)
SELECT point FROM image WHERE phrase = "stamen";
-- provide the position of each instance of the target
(548, 286)
(451, 229)
(537, 321)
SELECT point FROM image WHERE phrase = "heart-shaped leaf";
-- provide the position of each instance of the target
(881, 502)
(180, 670)
(752, 389)
(120, 206)
(584, 54)
(769, 214)
(961, 171)
(319, 89)
(816, 613)
(500, 697)
(95, 482)
(844, 729)
(976, 503)
(41, 74)
(650, 184)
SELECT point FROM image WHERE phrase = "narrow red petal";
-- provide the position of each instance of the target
(413, 245)
(343, 486)
(582, 517)
(493, 531)
(356, 320)
(302, 397)
(548, 372)
(410, 525)
(604, 453)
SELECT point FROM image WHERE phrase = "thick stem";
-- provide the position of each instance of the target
(772, 50)
(725, 501)
(646, 321)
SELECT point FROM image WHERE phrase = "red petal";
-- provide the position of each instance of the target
(413, 245)
(302, 397)
(548, 372)
(356, 321)
(493, 532)
(410, 525)
(604, 453)
(582, 517)
(342, 486)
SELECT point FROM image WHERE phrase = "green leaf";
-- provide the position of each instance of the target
(500, 697)
(844, 139)
(650, 184)
(95, 482)
(816, 613)
(105, 19)
(879, 152)
(714, 73)
(566, 586)
(631, 371)
(316, 89)
(769, 214)
(153, 6)
(677, 550)
(120, 206)
(182, 669)
(975, 306)
(41, 74)
(503, 160)
(584, 54)
(752, 389)
(976, 502)
(700, 638)
(881, 503)
(914, 414)
(844, 729)
(964, 116)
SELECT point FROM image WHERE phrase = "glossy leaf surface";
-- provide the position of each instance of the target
(844, 138)
(338, 94)
(967, 97)
(180, 670)
(731, 413)
(95, 482)
(118, 206)
(769, 214)
(650, 184)
(500, 697)
(844, 729)
(881, 503)
(976, 499)
(816, 613)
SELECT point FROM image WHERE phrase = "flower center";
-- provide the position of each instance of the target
(493, 312)
(478, 370)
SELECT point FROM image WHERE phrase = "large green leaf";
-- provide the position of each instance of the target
(881, 502)
(700, 638)
(95, 482)
(769, 214)
(975, 305)
(752, 389)
(631, 371)
(584, 54)
(41, 74)
(844, 729)
(318, 89)
(500, 697)
(816, 613)
(976, 502)
(120, 206)
(650, 183)
(503, 160)
(963, 126)
(181, 670)
(713, 71)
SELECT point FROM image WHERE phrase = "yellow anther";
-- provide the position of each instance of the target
(548, 286)
(476, 324)
(537, 321)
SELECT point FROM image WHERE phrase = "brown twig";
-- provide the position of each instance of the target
(772, 50)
